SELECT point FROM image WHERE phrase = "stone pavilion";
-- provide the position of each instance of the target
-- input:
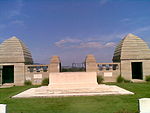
(133, 54)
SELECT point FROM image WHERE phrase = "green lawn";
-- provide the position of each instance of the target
(90, 104)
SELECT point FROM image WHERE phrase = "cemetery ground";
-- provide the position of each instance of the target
(82, 104)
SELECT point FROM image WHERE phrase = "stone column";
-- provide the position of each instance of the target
(19, 74)
(91, 65)
(55, 64)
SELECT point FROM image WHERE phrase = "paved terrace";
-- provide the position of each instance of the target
(45, 91)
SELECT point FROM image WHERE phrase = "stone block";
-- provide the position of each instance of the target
(73, 80)
(144, 105)
(2, 108)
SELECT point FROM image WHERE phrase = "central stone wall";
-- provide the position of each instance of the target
(73, 80)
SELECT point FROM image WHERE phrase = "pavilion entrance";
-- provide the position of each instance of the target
(137, 70)
(8, 74)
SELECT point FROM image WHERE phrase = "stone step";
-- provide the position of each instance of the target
(7, 85)
(138, 80)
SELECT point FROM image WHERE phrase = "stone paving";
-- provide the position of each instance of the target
(45, 91)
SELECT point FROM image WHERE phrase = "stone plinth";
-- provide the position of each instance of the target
(144, 104)
(73, 80)
(91, 65)
(55, 64)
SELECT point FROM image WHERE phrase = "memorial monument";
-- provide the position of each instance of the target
(131, 60)
(73, 83)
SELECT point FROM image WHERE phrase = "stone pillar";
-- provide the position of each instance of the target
(19, 74)
(55, 64)
(91, 65)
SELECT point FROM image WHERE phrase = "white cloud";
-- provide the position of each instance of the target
(135, 20)
(108, 37)
(101, 41)
(110, 44)
(103, 2)
(76, 43)
(18, 22)
(17, 10)
(90, 45)
(125, 20)
(62, 43)
(142, 29)
(96, 45)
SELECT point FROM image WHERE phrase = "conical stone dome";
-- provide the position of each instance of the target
(131, 47)
(14, 50)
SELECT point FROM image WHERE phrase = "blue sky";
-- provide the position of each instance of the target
(72, 29)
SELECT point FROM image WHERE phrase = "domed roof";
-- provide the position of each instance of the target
(14, 50)
(131, 47)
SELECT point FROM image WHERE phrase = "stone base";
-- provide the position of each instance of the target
(45, 91)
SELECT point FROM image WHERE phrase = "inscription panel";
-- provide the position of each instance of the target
(37, 76)
(107, 74)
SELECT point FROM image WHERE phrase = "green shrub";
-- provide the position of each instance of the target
(147, 78)
(127, 81)
(28, 83)
(100, 79)
(120, 79)
(45, 81)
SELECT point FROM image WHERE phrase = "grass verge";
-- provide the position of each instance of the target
(84, 104)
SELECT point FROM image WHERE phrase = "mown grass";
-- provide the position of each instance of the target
(83, 104)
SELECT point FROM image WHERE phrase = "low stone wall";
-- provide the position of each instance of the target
(109, 71)
(36, 73)
(109, 76)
